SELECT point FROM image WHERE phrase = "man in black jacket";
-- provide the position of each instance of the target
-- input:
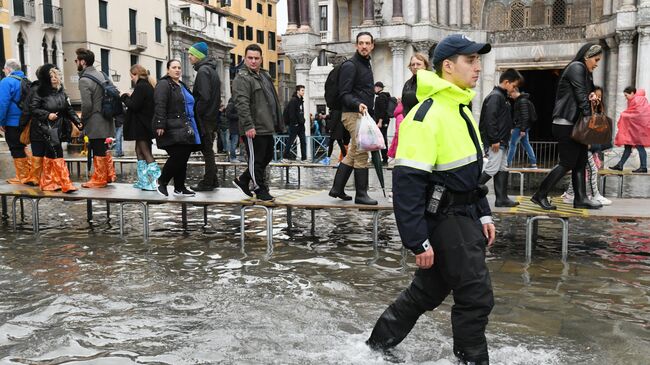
(495, 126)
(382, 118)
(296, 117)
(207, 98)
(356, 93)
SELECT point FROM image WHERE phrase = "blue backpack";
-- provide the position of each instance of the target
(111, 103)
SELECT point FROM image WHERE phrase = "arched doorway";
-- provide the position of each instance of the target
(46, 56)
(21, 51)
(54, 52)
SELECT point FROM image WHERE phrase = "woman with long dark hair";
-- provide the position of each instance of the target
(51, 117)
(575, 92)
(138, 128)
(176, 129)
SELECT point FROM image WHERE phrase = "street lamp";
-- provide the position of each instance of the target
(115, 76)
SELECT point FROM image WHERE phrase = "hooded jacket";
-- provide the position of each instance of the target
(207, 93)
(633, 126)
(254, 109)
(10, 111)
(524, 112)
(496, 118)
(171, 115)
(439, 144)
(296, 111)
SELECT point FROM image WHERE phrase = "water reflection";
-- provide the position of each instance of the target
(201, 297)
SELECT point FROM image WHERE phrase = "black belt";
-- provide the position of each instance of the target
(452, 198)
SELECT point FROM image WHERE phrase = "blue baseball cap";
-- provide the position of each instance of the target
(458, 44)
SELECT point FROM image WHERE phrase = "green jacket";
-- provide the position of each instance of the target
(253, 107)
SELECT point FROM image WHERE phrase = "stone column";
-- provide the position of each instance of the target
(467, 12)
(453, 13)
(292, 15)
(612, 74)
(368, 12)
(433, 11)
(625, 39)
(398, 16)
(424, 11)
(607, 7)
(302, 63)
(226, 79)
(643, 55)
(397, 49)
(628, 5)
(443, 14)
(304, 16)
(424, 47)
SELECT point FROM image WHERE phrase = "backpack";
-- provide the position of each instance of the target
(285, 114)
(392, 104)
(111, 102)
(533, 112)
(25, 89)
(332, 98)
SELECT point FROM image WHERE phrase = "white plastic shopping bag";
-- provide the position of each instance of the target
(369, 137)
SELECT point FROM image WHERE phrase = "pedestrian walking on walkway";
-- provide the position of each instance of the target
(524, 115)
(260, 115)
(176, 128)
(634, 129)
(138, 126)
(12, 99)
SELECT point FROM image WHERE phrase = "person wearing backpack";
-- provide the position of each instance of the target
(92, 84)
(355, 90)
(12, 94)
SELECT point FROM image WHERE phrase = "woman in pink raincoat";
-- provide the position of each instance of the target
(634, 128)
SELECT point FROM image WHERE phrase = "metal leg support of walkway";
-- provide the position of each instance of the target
(269, 221)
(145, 217)
(531, 233)
(35, 215)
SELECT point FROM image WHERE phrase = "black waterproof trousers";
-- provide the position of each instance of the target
(459, 268)
(260, 154)
(12, 136)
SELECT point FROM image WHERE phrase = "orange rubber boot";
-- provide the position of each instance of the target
(112, 177)
(22, 171)
(63, 176)
(34, 176)
(49, 177)
(100, 173)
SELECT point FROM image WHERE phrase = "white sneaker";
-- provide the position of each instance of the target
(567, 198)
(602, 200)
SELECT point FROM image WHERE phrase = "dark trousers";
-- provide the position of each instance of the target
(299, 131)
(330, 149)
(44, 149)
(12, 136)
(384, 133)
(459, 268)
(98, 147)
(643, 156)
(260, 154)
(176, 166)
(573, 155)
(210, 177)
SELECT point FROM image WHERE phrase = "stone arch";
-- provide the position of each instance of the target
(495, 16)
(517, 15)
(21, 42)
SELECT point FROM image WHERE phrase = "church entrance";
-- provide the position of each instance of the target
(542, 85)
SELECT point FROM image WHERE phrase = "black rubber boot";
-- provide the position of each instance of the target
(361, 185)
(501, 190)
(484, 178)
(472, 355)
(580, 191)
(343, 173)
(541, 196)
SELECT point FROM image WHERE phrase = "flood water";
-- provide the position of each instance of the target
(82, 295)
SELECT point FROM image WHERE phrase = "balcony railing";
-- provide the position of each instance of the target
(52, 16)
(24, 10)
(138, 40)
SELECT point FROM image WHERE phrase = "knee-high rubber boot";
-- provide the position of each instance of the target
(472, 355)
(341, 178)
(100, 174)
(141, 169)
(361, 185)
(541, 196)
(22, 171)
(63, 176)
(151, 175)
(484, 178)
(48, 176)
(580, 191)
(501, 190)
(110, 168)
(35, 171)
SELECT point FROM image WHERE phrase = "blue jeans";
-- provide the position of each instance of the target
(119, 133)
(514, 140)
(643, 156)
(223, 134)
(232, 147)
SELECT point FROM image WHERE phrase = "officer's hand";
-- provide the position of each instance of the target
(425, 259)
(362, 108)
(160, 132)
(250, 133)
(490, 233)
(522, 134)
(496, 146)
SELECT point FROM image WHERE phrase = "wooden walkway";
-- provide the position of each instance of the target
(312, 200)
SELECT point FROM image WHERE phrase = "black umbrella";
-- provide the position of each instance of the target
(379, 169)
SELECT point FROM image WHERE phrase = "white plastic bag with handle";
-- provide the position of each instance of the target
(369, 137)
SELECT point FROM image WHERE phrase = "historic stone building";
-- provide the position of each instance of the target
(537, 37)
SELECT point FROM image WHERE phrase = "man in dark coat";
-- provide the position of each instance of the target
(207, 98)
(296, 117)
(382, 118)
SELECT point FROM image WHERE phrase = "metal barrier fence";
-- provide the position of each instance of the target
(319, 146)
(546, 153)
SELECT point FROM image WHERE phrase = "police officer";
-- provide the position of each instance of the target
(440, 209)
